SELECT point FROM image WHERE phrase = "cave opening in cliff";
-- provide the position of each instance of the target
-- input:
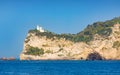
(94, 56)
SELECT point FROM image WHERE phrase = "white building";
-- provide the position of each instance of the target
(40, 28)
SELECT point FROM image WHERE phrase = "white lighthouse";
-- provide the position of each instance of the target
(40, 28)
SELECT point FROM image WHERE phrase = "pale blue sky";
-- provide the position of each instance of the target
(60, 16)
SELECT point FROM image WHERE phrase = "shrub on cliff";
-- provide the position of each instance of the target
(116, 44)
(34, 51)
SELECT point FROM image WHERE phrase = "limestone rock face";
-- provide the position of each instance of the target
(62, 49)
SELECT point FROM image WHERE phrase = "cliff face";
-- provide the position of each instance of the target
(55, 48)
(43, 46)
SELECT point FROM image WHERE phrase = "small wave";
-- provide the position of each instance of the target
(13, 73)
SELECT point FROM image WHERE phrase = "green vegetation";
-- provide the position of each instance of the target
(60, 55)
(101, 28)
(118, 33)
(48, 51)
(34, 51)
(27, 40)
(45, 45)
(116, 44)
(60, 49)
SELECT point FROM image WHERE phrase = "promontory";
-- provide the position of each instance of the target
(98, 41)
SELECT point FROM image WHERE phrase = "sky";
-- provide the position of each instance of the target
(17, 17)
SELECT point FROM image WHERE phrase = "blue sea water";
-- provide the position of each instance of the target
(61, 67)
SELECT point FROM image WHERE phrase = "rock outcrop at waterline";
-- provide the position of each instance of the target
(99, 41)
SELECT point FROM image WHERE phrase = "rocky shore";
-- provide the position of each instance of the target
(5, 58)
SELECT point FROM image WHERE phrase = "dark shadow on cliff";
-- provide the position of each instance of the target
(94, 56)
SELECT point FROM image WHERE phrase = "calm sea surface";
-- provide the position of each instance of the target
(59, 67)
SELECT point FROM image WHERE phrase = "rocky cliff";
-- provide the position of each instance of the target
(101, 41)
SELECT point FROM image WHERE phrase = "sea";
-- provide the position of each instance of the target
(59, 67)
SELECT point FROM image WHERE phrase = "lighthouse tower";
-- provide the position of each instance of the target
(40, 29)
